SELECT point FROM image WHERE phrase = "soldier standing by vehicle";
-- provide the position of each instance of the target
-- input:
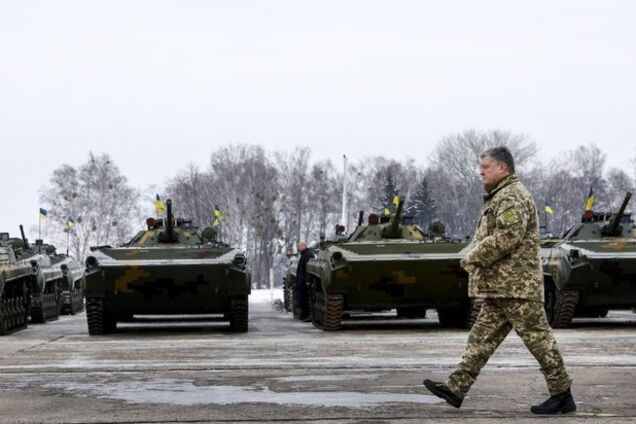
(504, 269)
(301, 291)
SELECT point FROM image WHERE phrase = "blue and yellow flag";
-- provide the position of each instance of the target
(548, 207)
(387, 212)
(591, 199)
(218, 215)
(70, 222)
(159, 207)
(43, 214)
(396, 200)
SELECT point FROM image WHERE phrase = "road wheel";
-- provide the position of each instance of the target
(328, 309)
(37, 312)
(287, 297)
(239, 312)
(99, 318)
(560, 306)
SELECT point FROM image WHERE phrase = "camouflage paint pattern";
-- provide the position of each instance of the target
(600, 268)
(505, 269)
(496, 319)
(167, 280)
(504, 258)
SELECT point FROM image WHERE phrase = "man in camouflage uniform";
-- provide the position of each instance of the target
(504, 266)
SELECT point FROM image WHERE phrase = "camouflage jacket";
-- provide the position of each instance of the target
(504, 258)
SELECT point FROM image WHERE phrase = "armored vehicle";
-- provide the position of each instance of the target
(15, 277)
(72, 297)
(289, 280)
(389, 265)
(169, 269)
(46, 281)
(592, 268)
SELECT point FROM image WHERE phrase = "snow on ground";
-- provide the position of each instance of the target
(266, 295)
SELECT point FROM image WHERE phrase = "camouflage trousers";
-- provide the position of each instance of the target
(496, 319)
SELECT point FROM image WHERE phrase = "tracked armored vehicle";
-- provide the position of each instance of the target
(72, 297)
(46, 281)
(390, 265)
(15, 277)
(289, 280)
(592, 268)
(169, 269)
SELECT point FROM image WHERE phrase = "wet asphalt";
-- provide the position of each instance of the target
(282, 370)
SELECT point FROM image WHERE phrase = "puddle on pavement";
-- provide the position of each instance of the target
(334, 377)
(179, 392)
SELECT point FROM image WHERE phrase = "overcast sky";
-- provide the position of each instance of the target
(159, 84)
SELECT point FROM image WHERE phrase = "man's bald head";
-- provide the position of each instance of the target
(302, 245)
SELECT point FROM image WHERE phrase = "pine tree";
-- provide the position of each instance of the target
(389, 191)
(421, 206)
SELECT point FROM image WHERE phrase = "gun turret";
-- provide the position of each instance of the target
(613, 229)
(24, 239)
(169, 235)
(393, 229)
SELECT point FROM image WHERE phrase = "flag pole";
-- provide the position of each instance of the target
(343, 217)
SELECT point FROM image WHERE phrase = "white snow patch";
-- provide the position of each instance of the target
(178, 392)
(265, 295)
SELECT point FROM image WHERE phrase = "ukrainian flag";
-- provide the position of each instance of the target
(396, 200)
(70, 222)
(387, 212)
(43, 214)
(218, 215)
(591, 199)
(548, 208)
(159, 207)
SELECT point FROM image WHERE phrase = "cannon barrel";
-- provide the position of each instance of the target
(169, 234)
(360, 218)
(24, 239)
(393, 229)
(613, 227)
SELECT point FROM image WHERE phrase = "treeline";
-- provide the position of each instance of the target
(272, 199)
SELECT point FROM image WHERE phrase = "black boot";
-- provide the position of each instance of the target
(441, 390)
(563, 403)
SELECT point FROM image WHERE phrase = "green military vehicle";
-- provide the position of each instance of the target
(170, 269)
(15, 277)
(46, 281)
(389, 265)
(592, 268)
(72, 297)
(289, 280)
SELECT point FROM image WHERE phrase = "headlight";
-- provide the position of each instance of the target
(91, 262)
(239, 260)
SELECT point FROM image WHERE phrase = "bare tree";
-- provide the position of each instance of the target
(618, 184)
(89, 205)
(294, 183)
(454, 183)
